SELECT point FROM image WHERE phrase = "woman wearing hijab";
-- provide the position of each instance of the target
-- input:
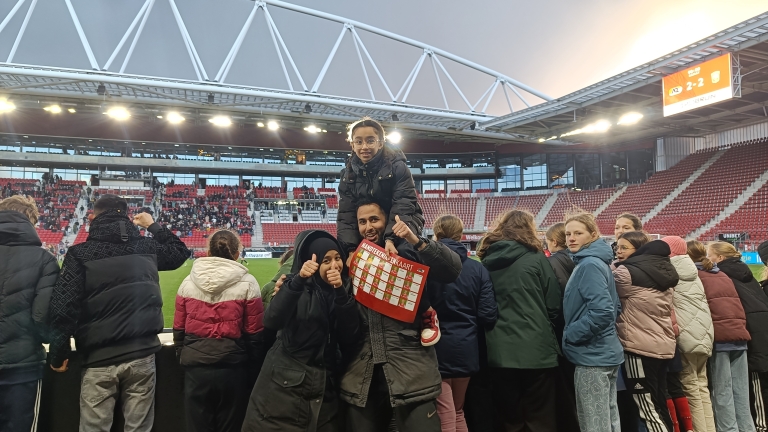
(313, 313)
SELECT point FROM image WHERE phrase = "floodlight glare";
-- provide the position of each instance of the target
(630, 118)
(6, 106)
(260, 124)
(174, 117)
(394, 137)
(54, 109)
(72, 110)
(119, 113)
(312, 129)
(221, 121)
(273, 125)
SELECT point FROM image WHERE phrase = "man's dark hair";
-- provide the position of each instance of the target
(368, 201)
(110, 202)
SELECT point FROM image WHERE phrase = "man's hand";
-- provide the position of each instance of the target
(62, 368)
(334, 278)
(143, 220)
(389, 246)
(310, 267)
(278, 284)
(402, 230)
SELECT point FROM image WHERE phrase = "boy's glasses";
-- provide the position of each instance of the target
(368, 142)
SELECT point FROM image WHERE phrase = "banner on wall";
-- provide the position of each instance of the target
(704, 84)
(751, 258)
(257, 254)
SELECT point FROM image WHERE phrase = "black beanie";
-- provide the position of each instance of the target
(319, 246)
(762, 250)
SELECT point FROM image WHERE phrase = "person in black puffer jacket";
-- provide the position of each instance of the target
(755, 303)
(108, 296)
(467, 308)
(27, 275)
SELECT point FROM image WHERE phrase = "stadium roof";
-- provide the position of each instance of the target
(638, 89)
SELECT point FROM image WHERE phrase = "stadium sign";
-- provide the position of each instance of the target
(257, 254)
(704, 84)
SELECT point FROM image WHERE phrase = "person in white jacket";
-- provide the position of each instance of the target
(697, 335)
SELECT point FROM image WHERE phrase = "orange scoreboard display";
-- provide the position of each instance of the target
(704, 84)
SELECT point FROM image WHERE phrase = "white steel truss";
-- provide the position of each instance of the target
(48, 79)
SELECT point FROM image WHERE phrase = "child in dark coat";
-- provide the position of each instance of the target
(378, 172)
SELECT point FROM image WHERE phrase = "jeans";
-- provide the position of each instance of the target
(694, 379)
(19, 404)
(132, 382)
(730, 391)
(596, 398)
(450, 405)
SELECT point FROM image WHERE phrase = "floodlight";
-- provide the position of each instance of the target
(174, 117)
(101, 90)
(54, 109)
(221, 121)
(260, 124)
(630, 118)
(6, 106)
(307, 108)
(119, 113)
(312, 129)
(210, 98)
(72, 110)
(272, 125)
(394, 137)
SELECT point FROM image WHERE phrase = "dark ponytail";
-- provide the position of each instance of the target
(224, 244)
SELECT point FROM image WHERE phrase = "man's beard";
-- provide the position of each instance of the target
(378, 238)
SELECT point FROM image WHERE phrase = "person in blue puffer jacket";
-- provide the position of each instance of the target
(466, 308)
(590, 341)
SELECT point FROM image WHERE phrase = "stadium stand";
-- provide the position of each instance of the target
(285, 233)
(498, 205)
(708, 195)
(566, 201)
(750, 218)
(464, 208)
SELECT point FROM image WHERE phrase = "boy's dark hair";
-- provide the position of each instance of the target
(366, 122)
(224, 244)
(110, 202)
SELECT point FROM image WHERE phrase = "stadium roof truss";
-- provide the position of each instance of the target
(211, 93)
(639, 89)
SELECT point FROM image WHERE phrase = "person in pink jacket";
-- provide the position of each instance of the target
(645, 280)
(217, 329)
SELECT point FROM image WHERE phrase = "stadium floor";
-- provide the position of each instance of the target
(262, 269)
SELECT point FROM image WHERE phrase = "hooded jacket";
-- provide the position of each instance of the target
(466, 308)
(728, 318)
(411, 368)
(27, 276)
(697, 334)
(755, 304)
(108, 293)
(590, 306)
(563, 266)
(645, 283)
(387, 180)
(528, 297)
(300, 372)
(218, 314)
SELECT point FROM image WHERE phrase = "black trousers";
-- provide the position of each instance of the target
(646, 381)
(478, 402)
(525, 399)
(215, 398)
(378, 412)
(19, 405)
(758, 398)
(567, 419)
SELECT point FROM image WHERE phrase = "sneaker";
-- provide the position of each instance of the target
(430, 334)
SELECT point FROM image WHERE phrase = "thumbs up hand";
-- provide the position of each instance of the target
(402, 230)
(310, 267)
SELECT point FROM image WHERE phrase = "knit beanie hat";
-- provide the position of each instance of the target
(676, 245)
(762, 250)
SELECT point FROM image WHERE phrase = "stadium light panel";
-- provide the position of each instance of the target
(630, 118)
(53, 109)
(260, 124)
(6, 106)
(312, 129)
(174, 117)
(394, 137)
(273, 125)
(119, 113)
(71, 110)
(221, 121)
